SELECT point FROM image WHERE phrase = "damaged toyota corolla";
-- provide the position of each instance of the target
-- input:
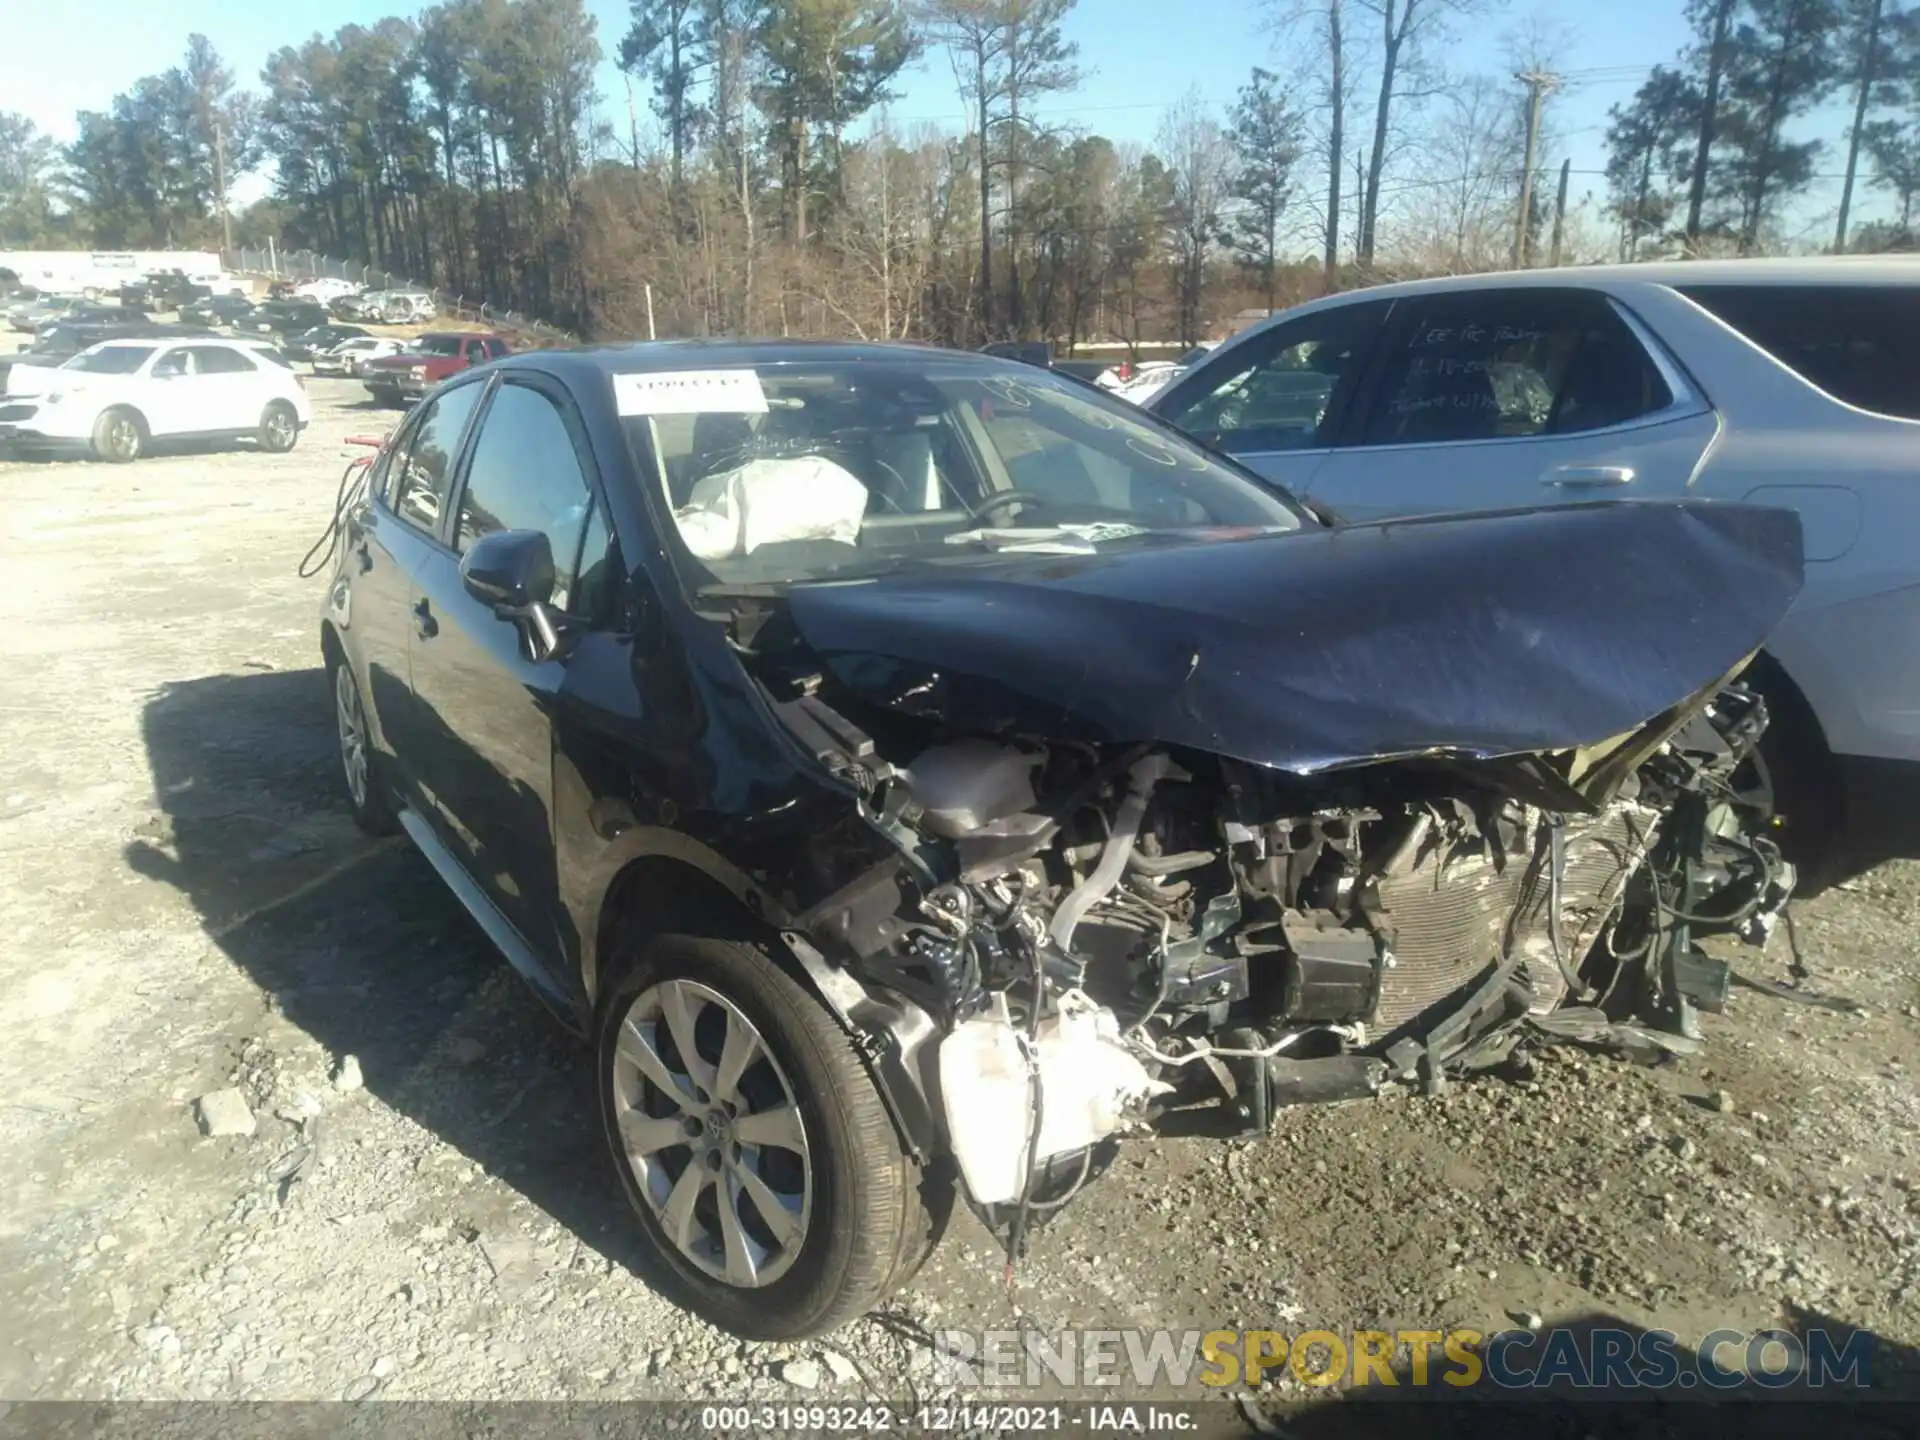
(917, 773)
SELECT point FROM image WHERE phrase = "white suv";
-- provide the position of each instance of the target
(115, 399)
(1787, 383)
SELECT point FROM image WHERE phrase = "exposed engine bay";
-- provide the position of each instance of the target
(1178, 838)
(1113, 937)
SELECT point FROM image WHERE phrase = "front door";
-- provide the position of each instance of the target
(179, 406)
(480, 687)
(1496, 399)
(1274, 400)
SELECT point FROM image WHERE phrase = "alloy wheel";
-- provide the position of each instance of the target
(280, 430)
(353, 732)
(123, 437)
(711, 1129)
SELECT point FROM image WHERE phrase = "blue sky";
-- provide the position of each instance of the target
(1139, 55)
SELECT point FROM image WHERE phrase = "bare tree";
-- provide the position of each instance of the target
(1405, 26)
(1005, 53)
(1459, 216)
(1317, 29)
(1199, 162)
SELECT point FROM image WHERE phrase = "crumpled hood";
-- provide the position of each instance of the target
(1475, 636)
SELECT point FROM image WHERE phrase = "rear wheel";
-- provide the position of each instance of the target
(765, 1172)
(1807, 809)
(371, 812)
(279, 427)
(119, 436)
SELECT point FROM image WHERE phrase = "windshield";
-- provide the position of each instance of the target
(114, 360)
(437, 345)
(794, 472)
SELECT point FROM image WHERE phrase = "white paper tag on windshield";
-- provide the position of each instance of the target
(690, 392)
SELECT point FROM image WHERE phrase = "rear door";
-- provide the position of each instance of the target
(486, 698)
(229, 390)
(1276, 400)
(1490, 399)
(388, 535)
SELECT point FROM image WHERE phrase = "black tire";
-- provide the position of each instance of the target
(372, 810)
(1809, 818)
(279, 428)
(869, 1226)
(119, 436)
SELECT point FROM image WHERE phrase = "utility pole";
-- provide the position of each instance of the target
(1560, 210)
(1538, 83)
(220, 185)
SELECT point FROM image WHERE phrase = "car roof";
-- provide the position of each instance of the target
(160, 337)
(640, 356)
(1814, 270)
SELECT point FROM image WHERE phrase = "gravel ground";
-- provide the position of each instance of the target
(191, 911)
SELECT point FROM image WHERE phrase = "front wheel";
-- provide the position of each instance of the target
(279, 428)
(765, 1172)
(119, 436)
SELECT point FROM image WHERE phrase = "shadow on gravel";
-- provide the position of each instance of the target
(1577, 1402)
(361, 945)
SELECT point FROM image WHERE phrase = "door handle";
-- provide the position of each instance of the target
(424, 622)
(1588, 477)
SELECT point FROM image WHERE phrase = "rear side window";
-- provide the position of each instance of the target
(1860, 344)
(1492, 365)
(218, 360)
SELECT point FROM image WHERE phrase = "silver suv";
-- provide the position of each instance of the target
(1785, 383)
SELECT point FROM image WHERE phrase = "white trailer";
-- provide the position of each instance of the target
(102, 272)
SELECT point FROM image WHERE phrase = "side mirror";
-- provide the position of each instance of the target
(512, 571)
(509, 569)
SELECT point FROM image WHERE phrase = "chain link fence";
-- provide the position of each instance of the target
(297, 265)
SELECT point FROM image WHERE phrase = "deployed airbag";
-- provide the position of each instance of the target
(770, 500)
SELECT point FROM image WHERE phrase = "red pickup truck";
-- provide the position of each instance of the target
(397, 379)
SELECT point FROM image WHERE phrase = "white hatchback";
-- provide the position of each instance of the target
(117, 398)
(1791, 383)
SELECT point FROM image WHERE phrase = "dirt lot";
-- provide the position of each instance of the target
(189, 907)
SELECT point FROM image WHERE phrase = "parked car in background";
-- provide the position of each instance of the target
(1147, 378)
(217, 310)
(911, 770)
(325, 289)
(115, 400)
(57, 343)
(1039, 354)
(163, 290)
(348, 356)
(1792, 383)
(283, 317)
(403, 307)
(30, 315)
(311, 342)
(403, 378)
